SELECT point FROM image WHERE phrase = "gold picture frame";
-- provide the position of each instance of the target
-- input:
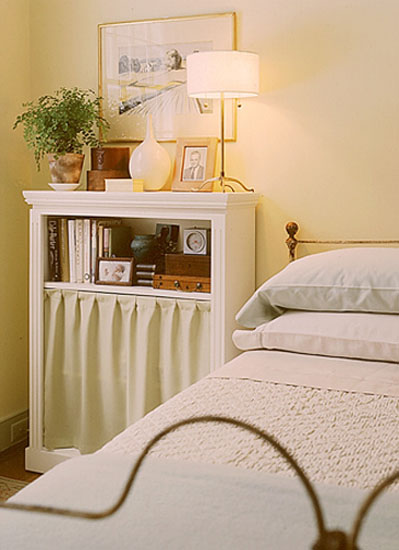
(142, 70)
(195, 163)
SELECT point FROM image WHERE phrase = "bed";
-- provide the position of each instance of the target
(319, 371)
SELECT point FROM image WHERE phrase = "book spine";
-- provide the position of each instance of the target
(79, 249)
(54, 261)
(145, 274)
(107, 242)
(64, 248)
(72, 251)
(93, 250)
(86, 251)
(146, 267)
(144, 282)
(100, 240)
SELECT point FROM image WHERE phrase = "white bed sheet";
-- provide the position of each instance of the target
(314, 371)
(180, 506)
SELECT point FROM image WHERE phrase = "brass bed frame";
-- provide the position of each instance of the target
(326, 539)
(292, 242)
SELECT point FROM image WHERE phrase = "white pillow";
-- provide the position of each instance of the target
(370, 336)
(351, 279)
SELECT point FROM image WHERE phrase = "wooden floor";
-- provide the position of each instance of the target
(12, 463)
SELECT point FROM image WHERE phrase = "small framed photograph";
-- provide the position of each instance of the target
(168, 236)
(195, 163)
(114, 271)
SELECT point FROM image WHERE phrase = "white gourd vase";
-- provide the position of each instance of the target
(150, 162)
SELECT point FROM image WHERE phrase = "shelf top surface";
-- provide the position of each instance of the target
(156, 200)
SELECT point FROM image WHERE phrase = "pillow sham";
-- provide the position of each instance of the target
(370, 336)
(350, 279)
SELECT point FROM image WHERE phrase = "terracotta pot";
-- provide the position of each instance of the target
(66, 168)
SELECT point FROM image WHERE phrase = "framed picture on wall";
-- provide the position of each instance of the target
(142, 70)
(195, 163)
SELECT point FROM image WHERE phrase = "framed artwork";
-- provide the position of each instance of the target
(114, 271)
(142, 70)
(195, 163)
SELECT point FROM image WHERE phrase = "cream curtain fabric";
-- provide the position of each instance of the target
(109, 359)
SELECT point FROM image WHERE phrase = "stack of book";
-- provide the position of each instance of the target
(144, 274)
(75, 244)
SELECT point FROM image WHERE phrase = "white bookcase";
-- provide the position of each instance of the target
(231, 219)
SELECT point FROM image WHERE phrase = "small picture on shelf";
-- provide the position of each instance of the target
(167, 235)
(114, 271)
(195, 164)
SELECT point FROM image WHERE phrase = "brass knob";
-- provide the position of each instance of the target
(177, 284)
(199, 286)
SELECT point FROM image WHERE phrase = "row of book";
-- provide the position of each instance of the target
(74, 244)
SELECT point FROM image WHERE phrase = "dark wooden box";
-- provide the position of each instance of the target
(182, 282)
(110, 158)
(188, 264)
(96, 178)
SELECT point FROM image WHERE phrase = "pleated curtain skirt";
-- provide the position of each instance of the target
(110, 359)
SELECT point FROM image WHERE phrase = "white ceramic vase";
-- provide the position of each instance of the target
(150, 162)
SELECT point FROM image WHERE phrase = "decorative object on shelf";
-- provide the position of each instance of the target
(145, 273)
(195, 164)
(107, 163)
(167, 235)
(142, 70)
(114, 271)
(185, 283)
(150, 162)
(223, 75)
(65, 168)
(59, 125)
(110, 158)
(196, 241)
(96, 178)
(188, 264)
(145, 248)
(119, 185)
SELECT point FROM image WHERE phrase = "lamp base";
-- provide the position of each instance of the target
(225, 181)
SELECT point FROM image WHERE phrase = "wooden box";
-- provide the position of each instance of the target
(96, 178)
(188, 264)
(185, 283)
(110, 158)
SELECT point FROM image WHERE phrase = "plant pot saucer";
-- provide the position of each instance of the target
(64, 186)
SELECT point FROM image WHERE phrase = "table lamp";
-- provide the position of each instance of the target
(223, 75)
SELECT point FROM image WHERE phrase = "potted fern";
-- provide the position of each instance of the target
(59, 126)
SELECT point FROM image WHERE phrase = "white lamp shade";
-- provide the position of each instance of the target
(233, 73)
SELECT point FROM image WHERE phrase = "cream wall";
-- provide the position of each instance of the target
(320, 143)
(15, 176)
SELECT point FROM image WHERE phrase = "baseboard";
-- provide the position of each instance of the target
(13, 430)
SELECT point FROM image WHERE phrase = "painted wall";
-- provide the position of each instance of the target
(15, 176)
(321, 141)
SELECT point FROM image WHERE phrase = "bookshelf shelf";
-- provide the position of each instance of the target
(129, 290)
(230, 217)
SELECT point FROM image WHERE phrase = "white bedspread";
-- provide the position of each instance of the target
(314, 371)
(342, 437)
(182, 506)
